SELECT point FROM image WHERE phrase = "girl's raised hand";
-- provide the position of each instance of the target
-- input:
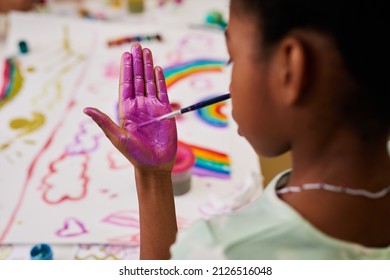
(142, 97)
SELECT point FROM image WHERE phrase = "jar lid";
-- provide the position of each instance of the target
(185, 159)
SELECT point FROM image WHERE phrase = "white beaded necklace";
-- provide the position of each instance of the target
(337, 189)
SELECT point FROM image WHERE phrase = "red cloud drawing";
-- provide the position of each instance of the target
(66, 180)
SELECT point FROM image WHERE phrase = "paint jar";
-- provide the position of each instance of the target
(23, 47)
(182, 170)
(135, 6)
(41, 252)
(215, 17)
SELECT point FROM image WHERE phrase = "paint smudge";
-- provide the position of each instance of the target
(213, 115)
(201, 85)
(55, 189)
(107, 252)
(116, 161)
(99, 252)
(72, 227)
(111, 70)
(107, 192)
(27, 126)
(5, 251)
(126, 218)
(12, 81)
(209, 163)
(29, 142)
(196, 43)
(24, 126)
(180, 71)
(86, 139)
(96, 257)
(66, 40)
(31, 69)
(176, 106)
(130, 240)
(183, 223)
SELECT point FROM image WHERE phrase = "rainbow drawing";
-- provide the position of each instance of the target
(12, 81)
(181, 71)
(209, 163)
(213, 115)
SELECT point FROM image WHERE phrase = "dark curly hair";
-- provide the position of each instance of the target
(359, 29)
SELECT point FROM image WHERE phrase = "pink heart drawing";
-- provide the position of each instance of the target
(72, 227)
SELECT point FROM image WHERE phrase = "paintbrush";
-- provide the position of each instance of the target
(190, 108)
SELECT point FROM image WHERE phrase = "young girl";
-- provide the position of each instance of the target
(309, 77)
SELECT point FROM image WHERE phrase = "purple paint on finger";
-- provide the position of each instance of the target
(138, 70)
(149, 73)
(126, 82)
(161, 86)
(127, 68)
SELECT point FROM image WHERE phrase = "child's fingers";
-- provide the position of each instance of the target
(110, 129)
(150, 84)
(161, 85)
(138, 69)
(126, 85)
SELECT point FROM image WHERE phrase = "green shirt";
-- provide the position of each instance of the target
(268, 228)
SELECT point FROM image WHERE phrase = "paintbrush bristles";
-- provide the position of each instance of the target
(160, 118)
(169, 115)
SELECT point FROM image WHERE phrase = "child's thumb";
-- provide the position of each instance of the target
(110, 129)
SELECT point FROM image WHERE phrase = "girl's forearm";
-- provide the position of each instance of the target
(158, 226)
(8, 5)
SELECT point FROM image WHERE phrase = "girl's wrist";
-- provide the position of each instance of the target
(148, 180)
(152, 172)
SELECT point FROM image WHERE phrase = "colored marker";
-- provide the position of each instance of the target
(128, 40)
(190, 108)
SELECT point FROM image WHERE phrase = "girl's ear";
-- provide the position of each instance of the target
(291, 70)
